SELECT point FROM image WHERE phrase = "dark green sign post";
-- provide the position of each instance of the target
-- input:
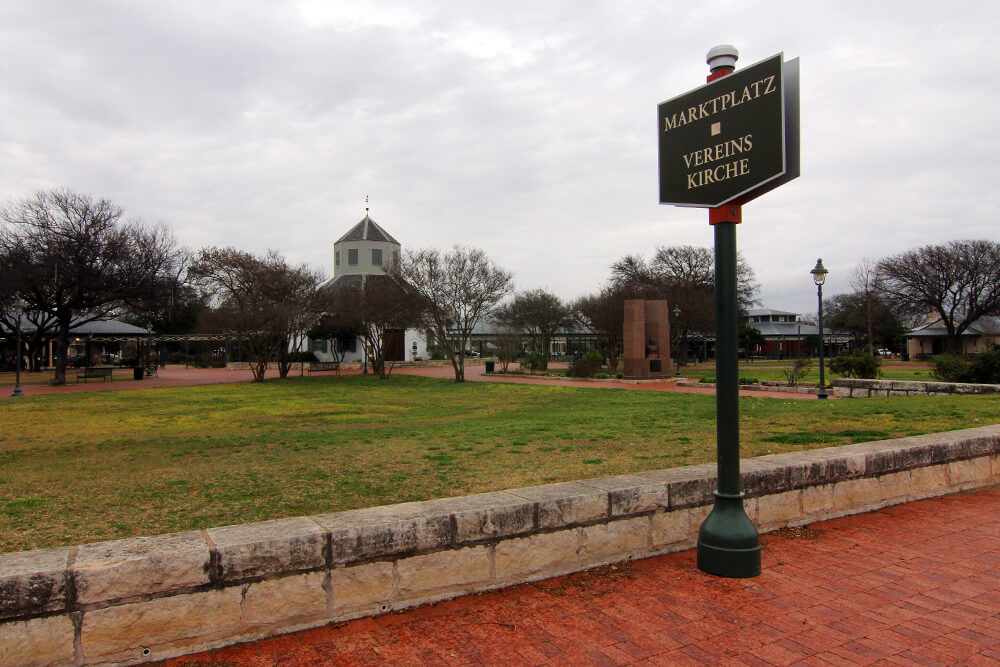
(722, 145)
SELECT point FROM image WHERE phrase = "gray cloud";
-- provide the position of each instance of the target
(523, 128)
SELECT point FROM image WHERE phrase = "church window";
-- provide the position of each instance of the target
(352, 256)
(376, 257)
(336, 258)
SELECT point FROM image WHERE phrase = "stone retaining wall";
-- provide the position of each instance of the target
(852, 388)
(151, 598)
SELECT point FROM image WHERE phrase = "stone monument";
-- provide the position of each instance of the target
(647, 339)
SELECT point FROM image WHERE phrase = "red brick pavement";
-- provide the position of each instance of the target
(915, 584)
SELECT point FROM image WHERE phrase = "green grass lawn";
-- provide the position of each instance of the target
(102, 465)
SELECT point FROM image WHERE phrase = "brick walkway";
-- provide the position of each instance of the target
(915, 584)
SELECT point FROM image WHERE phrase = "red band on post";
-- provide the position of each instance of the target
(725, 213)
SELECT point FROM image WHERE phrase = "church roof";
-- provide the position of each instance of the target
(368, 230)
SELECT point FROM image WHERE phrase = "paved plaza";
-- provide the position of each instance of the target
(914, 584)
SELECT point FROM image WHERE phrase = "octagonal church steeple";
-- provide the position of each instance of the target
(366, 249)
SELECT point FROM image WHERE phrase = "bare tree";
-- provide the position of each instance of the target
(265, 302)
(685, 276)
(866, 281)
(870, 318)
(958, 281)
(377, 308)
(539, 314)
(332, 326)
(604, 315)
(74, 259)
(509, 342)
(457, 289)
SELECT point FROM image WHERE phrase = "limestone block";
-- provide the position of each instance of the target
(454, 571)
(780, 509)
(525, 558)
(928, 481)
(567, 504)
(632, 494)
(805, 468)
(689, 486)
(278, 602)
(844, 462)
(969, 473)
(858, 495)
(488, 515)
(38, 641)
(165, 626)
(884, 457)
(817, 501)
(982, 442)
(995, 467)
(390, 530)
(268, 547)
(763, 476)
(618, 540)
(922, 452)
(33, 581)
(895, 487)
(140, 566)
(677, 527)
(362, 587)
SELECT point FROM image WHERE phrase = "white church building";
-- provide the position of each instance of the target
(366, 250)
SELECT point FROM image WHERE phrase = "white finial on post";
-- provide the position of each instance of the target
(724, 55)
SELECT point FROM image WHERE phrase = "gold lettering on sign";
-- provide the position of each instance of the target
(722, 151)
(728, 100)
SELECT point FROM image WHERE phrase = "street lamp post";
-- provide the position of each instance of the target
(677, 321)
(18, 308)
(819, 277)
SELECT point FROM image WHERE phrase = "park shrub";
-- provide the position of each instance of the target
(857, 364)
(986, 367)
(176, 357)
(951, 368)
(795, 374)
(586, 366)
(979, 369)
(533, 361)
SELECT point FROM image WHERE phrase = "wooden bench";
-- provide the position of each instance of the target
(319, 366)
(105, 373)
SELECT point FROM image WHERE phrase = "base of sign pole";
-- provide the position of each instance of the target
(728, 542)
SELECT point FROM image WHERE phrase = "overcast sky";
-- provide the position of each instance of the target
(525, 128)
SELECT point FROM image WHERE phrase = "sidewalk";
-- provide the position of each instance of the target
(914, 584)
